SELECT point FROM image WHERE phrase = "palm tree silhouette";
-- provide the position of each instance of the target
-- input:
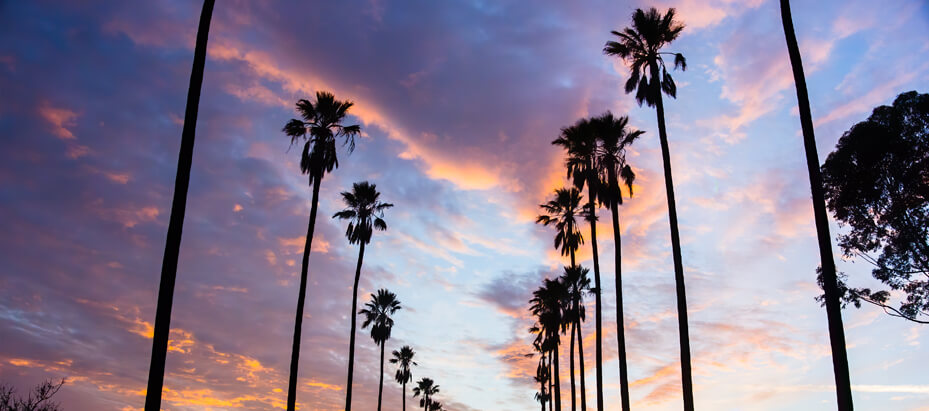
(542, 376)
(405, 363)
(425, 389)
(377, 313)
(320, 126)
(640, 46)
(547, 305)
(365, 213)
(827, 264)
(156, 370)
(611, 163)
(561, 211)
(576, 285)
(580, 142)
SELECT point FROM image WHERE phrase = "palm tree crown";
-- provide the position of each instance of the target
(576, 284)
(611, 156)
(404, 360)
(364, 211)
(640, 46)
(425, 388)
(580, 141)
(562, 212)
(319, 128)
(377, 314)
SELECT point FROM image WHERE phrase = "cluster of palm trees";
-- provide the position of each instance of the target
(595, 158)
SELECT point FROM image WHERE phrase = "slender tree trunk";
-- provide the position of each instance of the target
(380, 387)
(573, 395)
(542, 393)
(830, 287)
(404, 396)
(557, 381)
(351, 338)
(156, 370)
(580, 354)
(551, 386)
(684, 333)
(598, 323)
(620, 325)
(301, 300)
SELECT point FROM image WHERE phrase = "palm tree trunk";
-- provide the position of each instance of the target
(557, 381)
(573, 395)
(156, 370)
(684, 333)
(830, 288)
(580, 354)
(551, 386)
(404, 396)
(301, 300)
(351, 338)
(380, 387)
(598, 323)
(620, 325)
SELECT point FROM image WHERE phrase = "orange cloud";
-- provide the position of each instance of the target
(60, 119)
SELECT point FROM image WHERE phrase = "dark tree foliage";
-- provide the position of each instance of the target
(877, 184)
(40, 399)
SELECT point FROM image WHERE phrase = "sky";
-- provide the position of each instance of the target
(458, 102)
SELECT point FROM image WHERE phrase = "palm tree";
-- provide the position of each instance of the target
(377, 313)
(320, 126)
(640, 46)
(425, 389)
(576, 285)
(827, 264)
(580, 142)
(156, 370)
(561, 211)
(542, 376)
(405, 363)
(365, 213)
(547, 305)
(611, 164)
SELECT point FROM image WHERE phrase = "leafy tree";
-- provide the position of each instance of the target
(640, 46)
(318, 128)
(40, 399)
(830, 280)
(611, 164)
(377, 313)
(425, 389)
(580, 142)
(877, 183)
(156, 370)
(365, 213)
(405, 363)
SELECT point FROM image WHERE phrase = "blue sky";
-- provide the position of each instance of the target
(458, 102)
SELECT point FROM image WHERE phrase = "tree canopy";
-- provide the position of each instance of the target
(877, 184)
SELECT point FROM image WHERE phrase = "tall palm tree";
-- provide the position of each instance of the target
(547, 305)
(365, 213)
(830, 285)
(576, 285)
(377, 313)
(425, 389)
(640, 46)
(319, 128)
(611, 164)
(580, 142)
(156, 370)
(562, 212)
(405, 363)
